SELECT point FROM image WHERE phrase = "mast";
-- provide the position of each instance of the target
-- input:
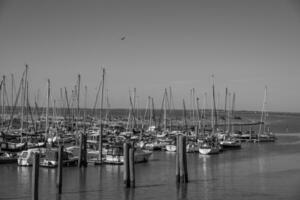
(47, 109)
(150, 111)
(23, 100)
(101, 124)
(215, 121)
(78, 96)
(184, 115)
(228, 114)
(68, 105)
(232, 111)
(153, 112)
(1, 116)
(262, 123)
(226, 93)
(12, 91)
(85, 106)
(171, 107)
(193, 107)
(3, 100)
(165, 109)
(199, 124)
(203, 116)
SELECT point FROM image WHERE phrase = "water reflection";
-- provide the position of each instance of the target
(82, 182)
(181, 191)
(205, 175)
(129, 193)
(23, 174)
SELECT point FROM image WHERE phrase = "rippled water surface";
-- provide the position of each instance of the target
(257, 171)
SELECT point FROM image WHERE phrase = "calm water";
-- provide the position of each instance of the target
(257, 171)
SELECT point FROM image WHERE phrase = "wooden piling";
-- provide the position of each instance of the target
(181, 167)
(184, 160)
(126, 177)
(59, 173)
(131, 167)
(82, 161)
(85, 150)
(250, 136)
(80, 150)
(181, 161)
(35, 177)
(177, 160)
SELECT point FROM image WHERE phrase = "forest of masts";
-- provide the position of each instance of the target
(19, 111)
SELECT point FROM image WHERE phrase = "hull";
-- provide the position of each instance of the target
(209, 150)
(171, 148)
(228, 144)
(8, 160)
(13, 147)
(139, 157)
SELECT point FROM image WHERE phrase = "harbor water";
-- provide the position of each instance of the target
(257, 171)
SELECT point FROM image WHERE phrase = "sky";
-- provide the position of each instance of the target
(247, 45)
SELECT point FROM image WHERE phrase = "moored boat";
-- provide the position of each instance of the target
(6, 157)
(115, 155)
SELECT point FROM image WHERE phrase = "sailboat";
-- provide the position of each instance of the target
(228, 141)
(264, 136)
(210, 145)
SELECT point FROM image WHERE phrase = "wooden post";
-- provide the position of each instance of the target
(82, 161)
(131, 167)
(250, 136)
(59, 173)
(184, 160)
(126, 164)
(181, 167)
(177, 160)
(35, 177)
(80, 151)
(84, 150)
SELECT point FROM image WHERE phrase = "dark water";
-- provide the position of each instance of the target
(257, 171)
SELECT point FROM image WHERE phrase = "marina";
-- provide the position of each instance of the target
(149, 100)
(269, 171)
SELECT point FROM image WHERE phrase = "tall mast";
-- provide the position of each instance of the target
(26, 93)
(68, 105)
(263, 113)
(199, 124)
(78, 95)
(165, 109)
(134, 108)
(3, 101)
(184, 115)
(215, 121)
(47, 109)
(193, 106)
(171, 107)
(228, 113)
(85, 105)
(150, 111)
(153, 112)
(12, 91)
(225, 108)
(203, 117)
(232, 111)
(101, 124)
(23, 100)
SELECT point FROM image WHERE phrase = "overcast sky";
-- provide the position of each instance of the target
(245, 44)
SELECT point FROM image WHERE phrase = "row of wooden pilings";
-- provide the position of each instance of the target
(129, 164)
(35, 174)
(82, 162)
